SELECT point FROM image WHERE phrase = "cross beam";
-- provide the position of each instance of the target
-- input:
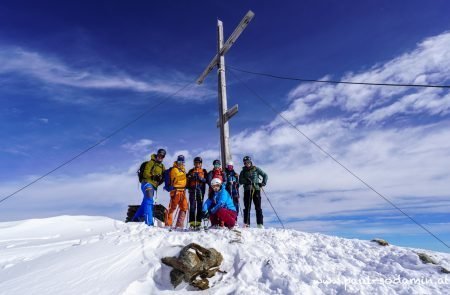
(231, 40)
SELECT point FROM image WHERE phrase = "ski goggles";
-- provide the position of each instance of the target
(216, 165)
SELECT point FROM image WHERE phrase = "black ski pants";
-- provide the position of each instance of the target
(195, 204)
(255, 197)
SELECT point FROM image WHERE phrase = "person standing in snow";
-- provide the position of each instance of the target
(220, 208)
(232, 185)
(152, 177)
(196, 178)
(216, 172)
(177, 189)
(250, 179)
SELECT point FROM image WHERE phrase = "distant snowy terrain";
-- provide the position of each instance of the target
(98, 255)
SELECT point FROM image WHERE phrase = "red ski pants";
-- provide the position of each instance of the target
(224, 217)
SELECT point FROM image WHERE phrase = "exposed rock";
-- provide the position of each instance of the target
(426, 259)
(202, 284)
(194, 261)
(380, 242)
(176, 277)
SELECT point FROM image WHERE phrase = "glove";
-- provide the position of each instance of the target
(263, 184)
(157, 178)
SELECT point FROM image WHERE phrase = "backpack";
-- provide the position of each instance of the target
(217, 173)
(140, 171)
(167, 181)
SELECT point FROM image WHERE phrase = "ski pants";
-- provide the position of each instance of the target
(145, 211)
(255, 196)
(195, 204)
(225, 217)
(177, 199)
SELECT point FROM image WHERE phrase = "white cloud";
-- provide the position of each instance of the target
(53, 71)
(142, 146)
(428, 63)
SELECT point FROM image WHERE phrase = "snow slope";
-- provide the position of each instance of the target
(98, 255)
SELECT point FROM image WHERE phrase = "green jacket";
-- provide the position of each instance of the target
(251, 176)
(153, 172)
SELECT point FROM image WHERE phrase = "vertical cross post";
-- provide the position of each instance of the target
(222, 97)
(224, 113)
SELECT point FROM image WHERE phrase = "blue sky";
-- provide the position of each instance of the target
(71, 73)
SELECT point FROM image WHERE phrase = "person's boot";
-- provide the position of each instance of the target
(260, 226)
(180, 220)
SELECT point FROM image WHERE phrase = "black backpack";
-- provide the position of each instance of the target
(140, 172)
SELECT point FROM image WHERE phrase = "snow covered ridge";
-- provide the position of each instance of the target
(98, 255)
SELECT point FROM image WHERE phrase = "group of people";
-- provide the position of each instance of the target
(222, 204)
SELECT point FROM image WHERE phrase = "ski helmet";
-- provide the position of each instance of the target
(216, 181)
(161, 152)
(230, 166)
(216, 162)
(180, 158)
(247, 158)
(198, 159)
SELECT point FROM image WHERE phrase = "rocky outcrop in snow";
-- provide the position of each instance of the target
(194, 265)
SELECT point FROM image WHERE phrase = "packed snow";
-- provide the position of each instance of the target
(99, 255)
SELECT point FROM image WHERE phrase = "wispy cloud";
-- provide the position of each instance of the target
(50, 70)
(428, 63)
(139, 147)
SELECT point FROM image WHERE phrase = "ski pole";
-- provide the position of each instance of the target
(273, 208)
(195, 201)
(177, 212)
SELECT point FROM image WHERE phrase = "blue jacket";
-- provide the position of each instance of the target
(221, 199)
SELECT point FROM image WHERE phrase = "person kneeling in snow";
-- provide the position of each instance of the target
(219, 207)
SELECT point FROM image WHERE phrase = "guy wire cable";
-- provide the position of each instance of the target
(164, 99)
(335, 81)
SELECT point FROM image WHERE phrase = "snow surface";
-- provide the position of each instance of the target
(99, 255)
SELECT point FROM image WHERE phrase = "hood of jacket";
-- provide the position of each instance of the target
(179, 167)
